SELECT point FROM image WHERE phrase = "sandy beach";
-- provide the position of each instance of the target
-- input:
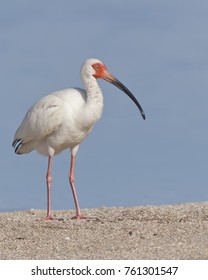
(145, 232)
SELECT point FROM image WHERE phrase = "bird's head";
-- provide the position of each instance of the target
(95, 68)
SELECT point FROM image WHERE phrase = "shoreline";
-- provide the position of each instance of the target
(142, 232)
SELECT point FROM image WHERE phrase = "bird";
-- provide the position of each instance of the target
(63, 119)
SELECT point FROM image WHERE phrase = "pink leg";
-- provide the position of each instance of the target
(48, 182)
(71, 180)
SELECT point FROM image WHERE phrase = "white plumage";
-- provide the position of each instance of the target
(63, 119)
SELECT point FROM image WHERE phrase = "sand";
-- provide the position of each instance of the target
(151, 232)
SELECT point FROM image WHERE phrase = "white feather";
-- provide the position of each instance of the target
(61, 119)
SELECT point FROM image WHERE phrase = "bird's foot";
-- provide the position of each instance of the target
(49, 217)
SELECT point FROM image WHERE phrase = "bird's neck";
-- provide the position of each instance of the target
(94, 103)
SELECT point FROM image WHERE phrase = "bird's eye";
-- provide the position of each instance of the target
(97, 67)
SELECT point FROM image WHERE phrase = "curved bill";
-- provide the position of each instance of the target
(113, 80)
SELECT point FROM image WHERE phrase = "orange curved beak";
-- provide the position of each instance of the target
(107, 76)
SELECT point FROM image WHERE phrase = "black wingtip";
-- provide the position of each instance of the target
(17, 145)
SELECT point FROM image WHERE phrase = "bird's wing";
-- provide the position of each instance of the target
(41, 120)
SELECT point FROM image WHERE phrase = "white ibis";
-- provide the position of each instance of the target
(63, 119)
